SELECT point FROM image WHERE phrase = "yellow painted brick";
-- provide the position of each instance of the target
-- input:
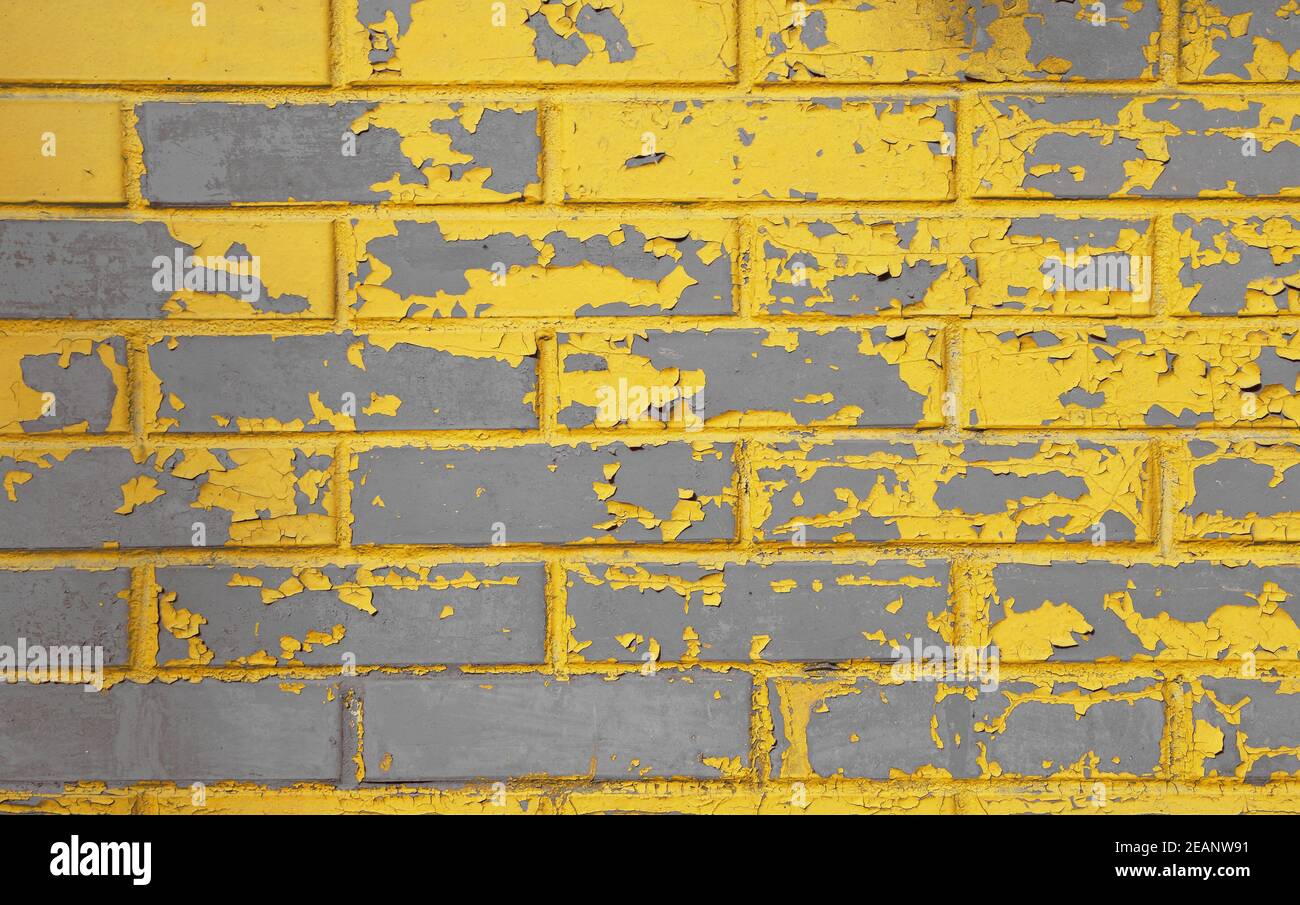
(1113, 145)
(62, 151)
(881, 377)
(541, 41)
(1006, 265)
(1240, 41)
(561, 267)
(866, 491)
(1237, 491)
(1129, 377)
(989, 40)
(756, 150)
(231, 42)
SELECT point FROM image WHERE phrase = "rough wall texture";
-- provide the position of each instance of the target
(706, 405)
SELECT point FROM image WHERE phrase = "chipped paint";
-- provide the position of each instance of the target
(824, 351)
(525, 268)
(1117, 146)
(416, 42)
(906, 41)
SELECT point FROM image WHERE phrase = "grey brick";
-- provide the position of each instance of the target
(862, 729)
(807, 611)
(251, 383)
(184, 732)
(867, 490)
(453, 727)
(1261, 717)
(1239, 491)
(1242, 265)
(1028, 733)
(90, 498)
(542, 494)
(454, 613)
(1225, 40)
(116, 269)
(1123, 611)
(222, 153)
(77, 385)
(70, 607)
(845, 41)
(1088, 145)
(848, 266)
(452, 268)
(849, 376)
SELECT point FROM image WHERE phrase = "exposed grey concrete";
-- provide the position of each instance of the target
(1239, 487)
(1201, 156)
(1224, 284)
(982, 490)
(1253, 21)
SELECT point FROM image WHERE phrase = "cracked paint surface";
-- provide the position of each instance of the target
(350, 151)
(259, 616)
(1082, 612)
(556, 268)
(823, 348)
(539, 41)
(851, 266)
(1240, 41)
(704, 150)
(241, 497)
(1246, 728)
(751, 378)
(1127, 377)
(986, 41)
(63, 385)
(859, 728)
(1116, 146)
(742, 612)
(867, 491)
(1239, 265)
(1243, 491)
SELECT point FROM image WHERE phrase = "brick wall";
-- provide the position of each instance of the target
(449, 405)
